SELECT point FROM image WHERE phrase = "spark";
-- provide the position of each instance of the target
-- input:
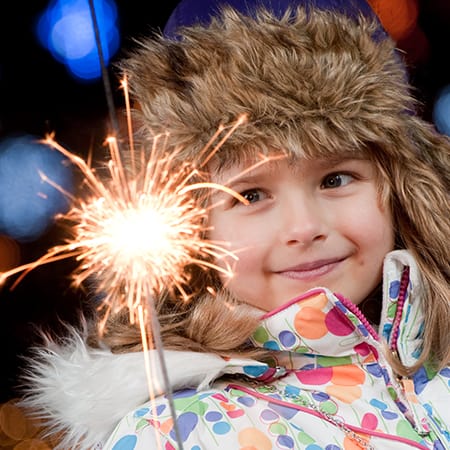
(138, 229)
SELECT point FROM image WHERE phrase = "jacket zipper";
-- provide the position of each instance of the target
(417, 417)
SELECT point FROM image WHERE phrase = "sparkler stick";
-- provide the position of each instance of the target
(149, 370)
(105, 77)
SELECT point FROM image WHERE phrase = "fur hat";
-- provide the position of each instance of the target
(308, 81)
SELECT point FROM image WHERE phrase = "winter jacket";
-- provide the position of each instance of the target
(329, 385)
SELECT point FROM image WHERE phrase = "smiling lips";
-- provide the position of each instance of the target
(311, 270)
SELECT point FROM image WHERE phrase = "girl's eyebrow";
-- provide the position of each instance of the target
(248, 174)
(339, 159)
(246, 178)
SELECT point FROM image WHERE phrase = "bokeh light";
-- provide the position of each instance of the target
(65, 28)
(28, 204)
(441, 110)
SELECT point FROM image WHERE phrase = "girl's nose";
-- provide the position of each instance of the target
(304, 222)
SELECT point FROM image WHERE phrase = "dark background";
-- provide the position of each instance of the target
(36, 92)
(37, 96)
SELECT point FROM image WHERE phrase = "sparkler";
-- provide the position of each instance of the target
(138, 229)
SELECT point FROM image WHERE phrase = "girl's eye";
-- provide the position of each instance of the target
(335, 180)
(253, 195)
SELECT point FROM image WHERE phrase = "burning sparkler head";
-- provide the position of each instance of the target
(137, 233)
(141, 229)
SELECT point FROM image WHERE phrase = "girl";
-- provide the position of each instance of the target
(333, 331)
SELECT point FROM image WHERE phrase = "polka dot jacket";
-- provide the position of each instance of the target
(328, 386)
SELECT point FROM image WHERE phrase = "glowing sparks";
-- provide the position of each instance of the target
(137, 230)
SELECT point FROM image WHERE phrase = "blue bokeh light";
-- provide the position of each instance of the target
(65, 28)
(28, 204)
(441, 110)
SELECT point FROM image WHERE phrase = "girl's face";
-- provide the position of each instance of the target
(309, 224)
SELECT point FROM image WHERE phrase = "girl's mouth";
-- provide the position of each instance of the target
(310, 271)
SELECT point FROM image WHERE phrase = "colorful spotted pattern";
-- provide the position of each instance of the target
(333, 361)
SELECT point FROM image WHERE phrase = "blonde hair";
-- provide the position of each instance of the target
(312, 85)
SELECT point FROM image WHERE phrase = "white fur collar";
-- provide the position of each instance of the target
(84, 392)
